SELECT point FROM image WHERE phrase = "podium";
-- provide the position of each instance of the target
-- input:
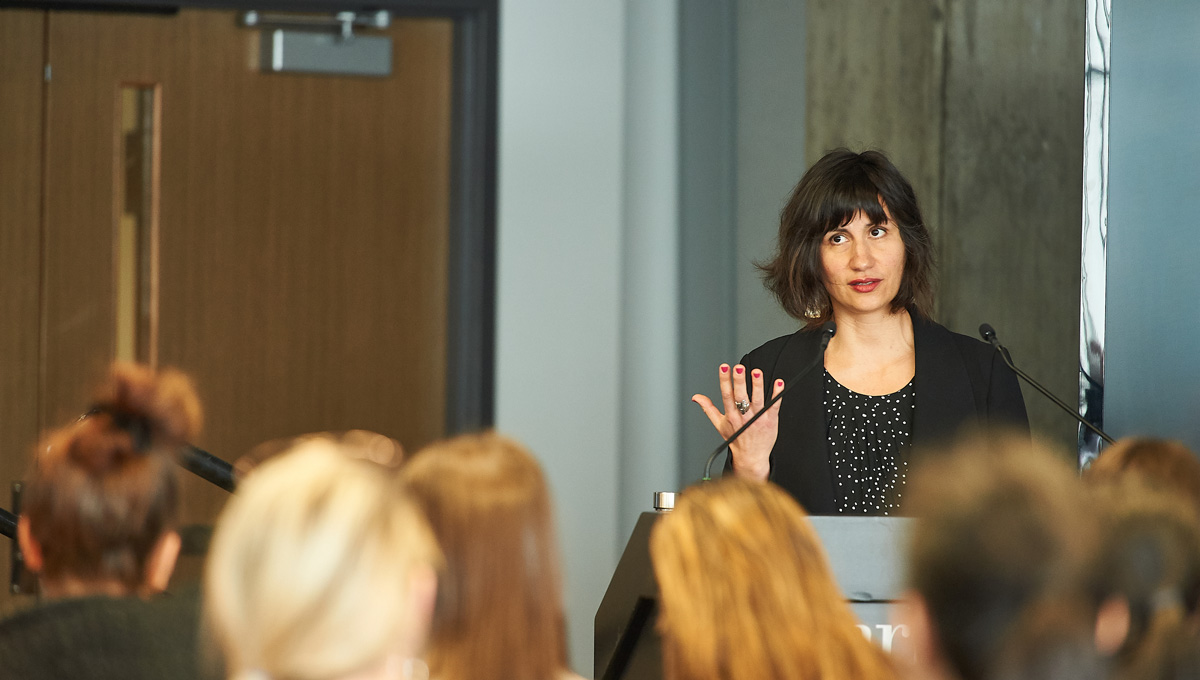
(865, 553)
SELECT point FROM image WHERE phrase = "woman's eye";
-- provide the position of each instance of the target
(878, 231)
(837, 238)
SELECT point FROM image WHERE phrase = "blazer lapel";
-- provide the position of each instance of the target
(942, 385)
(803, 464)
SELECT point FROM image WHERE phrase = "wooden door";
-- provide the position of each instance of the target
(291, 231)
(21, 59)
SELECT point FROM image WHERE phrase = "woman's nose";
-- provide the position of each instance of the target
(861, 256)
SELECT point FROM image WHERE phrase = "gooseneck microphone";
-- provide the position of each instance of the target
(8, 523)
(208, 467)
(197, 461)
(989, 334)
(828, 330)
(201, 463)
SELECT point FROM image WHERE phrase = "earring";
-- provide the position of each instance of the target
(811, 313)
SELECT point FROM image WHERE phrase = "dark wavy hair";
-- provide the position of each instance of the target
(835, 189)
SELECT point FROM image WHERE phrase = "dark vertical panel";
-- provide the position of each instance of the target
(1152, 368)
(471, 332)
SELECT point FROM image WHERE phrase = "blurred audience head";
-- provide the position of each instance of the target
(1146, 576)
(1002, 536)
(101, 504)
(1162, 465)
(499, 611)
(1053, 639)
(320, 568)
(747, 591)
(363, 444)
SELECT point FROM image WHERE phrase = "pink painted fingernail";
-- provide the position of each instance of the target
(757, 373)
(724, 368)
(739, 370)
(779, 383)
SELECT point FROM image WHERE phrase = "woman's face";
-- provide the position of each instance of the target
(863, 266)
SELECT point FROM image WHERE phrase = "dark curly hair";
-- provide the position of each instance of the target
(835, 189)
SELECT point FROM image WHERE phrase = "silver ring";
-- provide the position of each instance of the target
(742, 406)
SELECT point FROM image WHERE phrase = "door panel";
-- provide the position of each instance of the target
(299, 229)
(21, 41)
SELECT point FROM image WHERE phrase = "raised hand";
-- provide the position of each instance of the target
(752, 450)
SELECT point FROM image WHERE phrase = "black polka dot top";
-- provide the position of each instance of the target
(868, 438)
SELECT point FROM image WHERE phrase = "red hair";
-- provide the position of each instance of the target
(499, 605)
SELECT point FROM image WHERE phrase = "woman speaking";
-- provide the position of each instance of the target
(854, 249)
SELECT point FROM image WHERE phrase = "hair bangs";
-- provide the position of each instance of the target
(850, 192)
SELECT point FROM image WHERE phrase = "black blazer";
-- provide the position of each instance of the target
(959, 381)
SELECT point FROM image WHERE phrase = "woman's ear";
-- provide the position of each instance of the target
(31, 550)
(423, 594)
(912, 611)
(161, 563)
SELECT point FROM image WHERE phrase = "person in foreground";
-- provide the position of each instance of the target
(499, 612)
(1146, 586)
(997, 564)
(853, 248)
(98, 527)
(320, 570)
(747, 592)
(1162, 466)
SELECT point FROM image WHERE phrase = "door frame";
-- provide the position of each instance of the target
(471, 307)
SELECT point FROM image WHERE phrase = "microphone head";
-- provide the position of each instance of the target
(987, 332)
(828, 330)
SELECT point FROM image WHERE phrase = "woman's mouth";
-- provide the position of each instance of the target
(864, 285)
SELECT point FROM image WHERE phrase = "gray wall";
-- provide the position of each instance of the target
(769, 153)
(587, 291)
(742, 83)
(1152, 371)
(981, 105)
(707, 195)
(650, 296)
(558, 307)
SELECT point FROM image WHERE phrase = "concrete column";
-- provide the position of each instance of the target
(1012, 188)
(875, 82)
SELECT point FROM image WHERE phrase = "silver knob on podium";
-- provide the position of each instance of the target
(664, 501)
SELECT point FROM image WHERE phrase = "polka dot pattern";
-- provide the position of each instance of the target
(868, 438)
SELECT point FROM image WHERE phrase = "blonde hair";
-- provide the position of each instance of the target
(747, 591)
(311, 568)
(499, 605)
